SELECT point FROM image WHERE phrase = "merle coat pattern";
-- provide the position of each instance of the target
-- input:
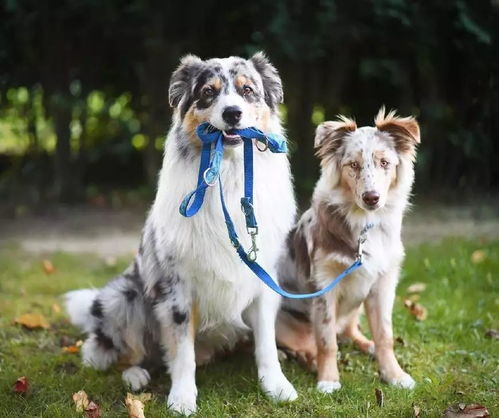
(187, 293)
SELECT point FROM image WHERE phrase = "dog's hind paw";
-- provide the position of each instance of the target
(182, 403)
(278, 388)
(326, 386)
(405, 381)
(136, 377)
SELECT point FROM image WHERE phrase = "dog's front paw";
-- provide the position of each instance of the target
(405, 381)
(326, 386)
(136, 377)
(182, 401)
(277, 387)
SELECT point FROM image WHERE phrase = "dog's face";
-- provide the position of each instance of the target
(229, 93)
(364, 161)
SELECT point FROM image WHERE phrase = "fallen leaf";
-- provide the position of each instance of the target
(92, 411)
(142, 397)
(492, 333)
(48, 267)
(415, 309)
(478, 256)
(32, 321)
(135, 406)
(72, 349)
(417, 410)
(416, 288)
(466, 411)
(81, 401)
(380, 398)
(56, 308)
(21, 385)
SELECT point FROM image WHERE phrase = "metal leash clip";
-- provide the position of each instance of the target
(252, 252)
(360, 243)
(205, 177)
(265, 145)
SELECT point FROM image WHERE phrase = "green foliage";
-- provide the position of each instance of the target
(108, 65)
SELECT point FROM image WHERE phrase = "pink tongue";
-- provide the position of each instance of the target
(231, 136)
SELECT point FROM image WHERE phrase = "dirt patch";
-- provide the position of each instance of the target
(110, 233)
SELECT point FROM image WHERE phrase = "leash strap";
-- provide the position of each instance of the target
(209, 173)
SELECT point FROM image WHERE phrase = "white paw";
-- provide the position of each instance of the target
(277, 387)
(326, 386)
(182, 401)
(136, 377)
(405, 381)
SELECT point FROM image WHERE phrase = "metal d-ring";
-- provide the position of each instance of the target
(205, 174)
(266, 145)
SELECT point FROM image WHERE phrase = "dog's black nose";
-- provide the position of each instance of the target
(370, 198)
(232, 114)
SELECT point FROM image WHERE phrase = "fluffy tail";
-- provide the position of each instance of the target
(78, 305)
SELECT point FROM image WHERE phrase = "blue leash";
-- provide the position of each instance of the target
(209, 170)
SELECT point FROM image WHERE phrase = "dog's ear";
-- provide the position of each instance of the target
(330, 135)
(182, 77)
(272, 84)
(404, 131)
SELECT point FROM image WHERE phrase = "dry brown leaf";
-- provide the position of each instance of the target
(48, 267)
(21, 385)
(415, 309)
(492, 333)
(417, 410)
(135, 407)
(142, 397)
(32, 321)
(92, 411)
(466, 411)
(416, 288)
(56, 308)
(72, 349)
(380, 398)
(81, 400)
(478, 256)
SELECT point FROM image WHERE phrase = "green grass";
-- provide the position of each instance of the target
(448, 354)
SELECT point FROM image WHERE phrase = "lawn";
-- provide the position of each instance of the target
(449, 354)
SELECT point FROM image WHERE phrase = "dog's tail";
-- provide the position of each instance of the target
(79, 305)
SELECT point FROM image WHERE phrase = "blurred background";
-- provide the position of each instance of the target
(83, 88)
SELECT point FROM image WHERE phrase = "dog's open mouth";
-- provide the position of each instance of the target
(231, 139)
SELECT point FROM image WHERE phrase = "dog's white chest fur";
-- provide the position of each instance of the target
(222, 284)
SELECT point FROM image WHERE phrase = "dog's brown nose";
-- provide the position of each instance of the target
(370, 198)
(232, 114)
